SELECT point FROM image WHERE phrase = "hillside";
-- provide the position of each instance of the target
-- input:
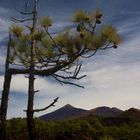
(68, 111)
(102, 112)
(65, 112)
(124, 126)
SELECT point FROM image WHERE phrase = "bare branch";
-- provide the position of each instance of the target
(24, 13)
(45, 108)
(20, 20)
(77, 70)
(69, 77)
(26, 76)
(66, 82)
(85, 28)
(90, 54)
(70, 83)
(36, 91)
(94, 27)
(106, 48)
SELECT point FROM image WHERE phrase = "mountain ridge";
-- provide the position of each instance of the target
(70, 112)
(64, 112)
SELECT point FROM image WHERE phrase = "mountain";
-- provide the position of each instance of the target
(65, 112)
(132, 113)
(69, 111)
(110, 115)
(129, 116)
(102, 112)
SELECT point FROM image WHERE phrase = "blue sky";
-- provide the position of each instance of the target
(113, 76)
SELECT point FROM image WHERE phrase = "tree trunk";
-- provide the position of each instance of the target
(4, 106)
(5, 95)
(31, 91)
(30, 113)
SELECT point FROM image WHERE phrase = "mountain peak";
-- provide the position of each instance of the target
(102, 111)
(133, 109)
(68, 106)
(68, 111)
(64, 112)
(132, 113)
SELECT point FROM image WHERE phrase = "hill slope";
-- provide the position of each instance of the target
(102, 112)
(68, 111)
(65, 112)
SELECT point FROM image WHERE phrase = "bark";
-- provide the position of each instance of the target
(31, 91)
(4, 106)
(30, 113)
(5, 95)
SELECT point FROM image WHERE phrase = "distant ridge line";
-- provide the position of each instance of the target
(68, 112)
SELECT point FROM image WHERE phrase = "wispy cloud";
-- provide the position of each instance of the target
(4, 21)
(112, 76)
(4, 11)
(4, 28)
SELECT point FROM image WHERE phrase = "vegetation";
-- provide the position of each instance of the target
(89, 128)
(36, 52)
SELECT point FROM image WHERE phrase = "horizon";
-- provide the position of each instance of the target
(75, 107)
(112, 75)
(92, 108)
(78, 108)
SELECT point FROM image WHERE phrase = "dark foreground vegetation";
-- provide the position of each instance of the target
(89, 128)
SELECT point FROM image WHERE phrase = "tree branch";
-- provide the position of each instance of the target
(66, 82)
(90, 54)
(23, 12)
(20, 20)
(45, 108)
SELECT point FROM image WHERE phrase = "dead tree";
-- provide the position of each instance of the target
(5, 94)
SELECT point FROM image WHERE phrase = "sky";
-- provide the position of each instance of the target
(113, 77)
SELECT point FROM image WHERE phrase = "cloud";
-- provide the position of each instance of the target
(2, 58)
(4, 11)
(129, 28)
(112, 76)
(4, 21)
(48, 91)
(4, 28)
(46, 87)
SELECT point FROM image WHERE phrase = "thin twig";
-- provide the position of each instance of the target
(20, 20)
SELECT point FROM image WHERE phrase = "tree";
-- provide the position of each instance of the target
(39, 53)
(5, 94)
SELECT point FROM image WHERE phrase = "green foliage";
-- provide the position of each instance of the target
(110, 33)
(17, 30)
(97, 14)
(69, 44)
(80, 16)
(46, 22)
(16, 129)
(63, 46)
(94, 128)
(37, 35)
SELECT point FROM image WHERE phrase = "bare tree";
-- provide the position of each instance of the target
(5, 94)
